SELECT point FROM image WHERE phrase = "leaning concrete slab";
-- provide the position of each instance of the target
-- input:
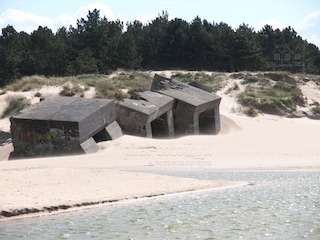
(195, 111)
(59, 125)
(147, 114)
(89, 146)
(114, 130)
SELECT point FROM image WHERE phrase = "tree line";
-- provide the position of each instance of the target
(97, 45)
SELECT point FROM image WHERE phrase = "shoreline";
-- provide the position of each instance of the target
(169, 186)
(89, 205)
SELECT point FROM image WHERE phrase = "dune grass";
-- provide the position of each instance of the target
(213, 80)
(15, 104)
(270, 97)
(106, 86)
(275, 92)
(131, 81)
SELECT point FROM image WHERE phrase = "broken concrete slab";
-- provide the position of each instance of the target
(89, 146)
(114, 130)
(148, 114)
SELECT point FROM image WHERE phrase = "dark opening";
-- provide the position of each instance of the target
(101, 136)
(207, 122)
(159, 126)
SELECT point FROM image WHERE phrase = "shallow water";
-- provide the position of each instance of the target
(280, 205)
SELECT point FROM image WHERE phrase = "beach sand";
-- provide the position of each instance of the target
(43, 185)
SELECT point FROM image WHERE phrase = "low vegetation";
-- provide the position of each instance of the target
(214, 80)
(34, 82)
(262, 92)
(72, 89)
(15, 104)
(119, 84)
(267, 96)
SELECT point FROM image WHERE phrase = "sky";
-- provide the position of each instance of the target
(302, 15)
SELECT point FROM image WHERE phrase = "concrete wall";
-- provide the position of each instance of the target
(133, 122)
(44, 138)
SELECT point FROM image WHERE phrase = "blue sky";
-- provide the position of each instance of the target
(302, 15)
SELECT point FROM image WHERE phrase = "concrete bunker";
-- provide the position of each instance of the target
(146, 114)
(195, 111)
(62, 125)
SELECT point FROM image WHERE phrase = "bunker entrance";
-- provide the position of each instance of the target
(160, 127)
(102, 136)
(207, 122)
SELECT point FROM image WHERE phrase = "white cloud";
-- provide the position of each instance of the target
(105, 11)
(23, 21)
(64, 20)
(311, 20)
(28, 22)
(315, 39)
(309, 27)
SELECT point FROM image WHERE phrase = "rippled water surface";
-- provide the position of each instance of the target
(280, 205)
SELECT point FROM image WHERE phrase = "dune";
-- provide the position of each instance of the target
(266, 142)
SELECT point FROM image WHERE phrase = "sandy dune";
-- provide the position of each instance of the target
(266, 142)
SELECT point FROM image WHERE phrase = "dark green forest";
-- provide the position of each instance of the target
(98, 45)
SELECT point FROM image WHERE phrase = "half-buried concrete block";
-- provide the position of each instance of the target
(195, 111)
(59, 126)
(146, 114)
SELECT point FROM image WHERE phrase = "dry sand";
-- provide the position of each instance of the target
(44, 185)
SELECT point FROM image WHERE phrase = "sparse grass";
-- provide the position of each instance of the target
(183, 77)
(251, 111)
(256, 79)
(90, 80)
(119, 95)
(280, 98)
(272, 92)
(72, 89)
(315, 110)
(34, 82)
(235, 87)
(317, 79)
(133, 81)
(309, 77)
(104, 89)
(214, 80)
(15, 104)
(37, 94)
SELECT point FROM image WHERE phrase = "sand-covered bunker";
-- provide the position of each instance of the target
(147, 114)
(195, 111)
(68, 125)
(62, 125)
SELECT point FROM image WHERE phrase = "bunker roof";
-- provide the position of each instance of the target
(71, 109)
(183, 92)
(148, 102)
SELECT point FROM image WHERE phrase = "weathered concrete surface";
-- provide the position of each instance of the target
(147, 114)
(195, 111)
(114, 130)
(59, 125)
(89, 146)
